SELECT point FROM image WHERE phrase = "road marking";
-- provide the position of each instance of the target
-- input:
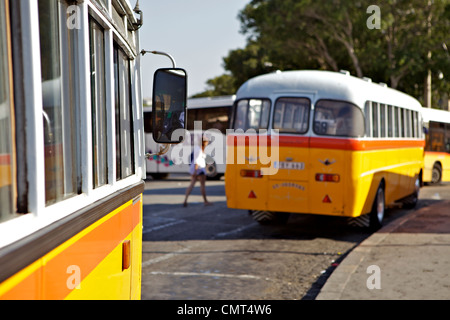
(164, 257)
(170, 224)
(224, 234)
(211, 275)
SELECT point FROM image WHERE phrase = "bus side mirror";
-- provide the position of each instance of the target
(169, 105)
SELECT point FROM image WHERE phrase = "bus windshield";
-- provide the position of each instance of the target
(252, 114)
(338, 118)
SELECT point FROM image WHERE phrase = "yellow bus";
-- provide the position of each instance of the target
(331, 144)
(437, 147)
(71, 150)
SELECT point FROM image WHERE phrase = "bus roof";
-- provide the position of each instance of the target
(436, 115)
(210, 102)
(207, 102)
(324, 85)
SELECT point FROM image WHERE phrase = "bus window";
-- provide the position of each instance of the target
(368, 118)
(390, 126)
(338, 118)
(436, 137)
(375, 120)
(292, 115)
(98, 96)
(447, 138)
(382, 120)
(7, 163)
(59, 116)
(124, 129)
(211, 118)
(408, 123)
(396, 123)
(252, 114)
(415, 124)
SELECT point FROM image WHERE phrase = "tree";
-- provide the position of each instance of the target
(333, 35)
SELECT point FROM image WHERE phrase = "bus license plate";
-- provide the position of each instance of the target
(290, 165)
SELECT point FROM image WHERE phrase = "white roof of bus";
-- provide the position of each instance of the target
(324, 85)
(207, 102)
(211, 102)
(437, 115)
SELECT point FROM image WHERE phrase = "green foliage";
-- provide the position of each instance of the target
(333, 35)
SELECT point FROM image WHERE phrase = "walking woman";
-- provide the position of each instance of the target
(198, 172)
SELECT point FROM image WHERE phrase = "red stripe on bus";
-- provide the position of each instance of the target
(326, 143)
(364, 145)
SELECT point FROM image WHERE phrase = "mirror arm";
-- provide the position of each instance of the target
(163, 150)
(143, 52)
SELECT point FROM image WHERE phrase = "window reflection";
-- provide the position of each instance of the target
(7, 161)
(58, 114)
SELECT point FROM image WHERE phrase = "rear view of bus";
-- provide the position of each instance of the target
(323, 143)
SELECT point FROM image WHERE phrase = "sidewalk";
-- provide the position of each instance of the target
(411, 258)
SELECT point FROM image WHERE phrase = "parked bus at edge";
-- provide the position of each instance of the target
(346, 147)
(437, 147)
(213, 113)
(71, 150)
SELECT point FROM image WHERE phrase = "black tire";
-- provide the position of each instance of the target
(436, 174)
(411, 201)
(376, 216)
(159, 176)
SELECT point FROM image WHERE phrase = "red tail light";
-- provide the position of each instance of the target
(325, 177)
(251, 173)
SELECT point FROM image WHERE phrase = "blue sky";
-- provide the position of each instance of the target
(197, 33)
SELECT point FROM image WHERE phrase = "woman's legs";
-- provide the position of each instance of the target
(203, 189)
(189, 189)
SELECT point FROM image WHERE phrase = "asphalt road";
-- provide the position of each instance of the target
(212, 252)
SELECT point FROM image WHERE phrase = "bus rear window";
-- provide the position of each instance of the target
(252, 114)
(338, 118)
(292, 115)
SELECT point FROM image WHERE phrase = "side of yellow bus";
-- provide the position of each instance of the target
(102, 261)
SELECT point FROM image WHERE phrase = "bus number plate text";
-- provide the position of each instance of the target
(290, 165)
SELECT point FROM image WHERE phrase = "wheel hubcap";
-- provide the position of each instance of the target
(380, 205)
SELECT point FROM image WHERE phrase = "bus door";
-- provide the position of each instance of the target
(289, 186)
(333, 152)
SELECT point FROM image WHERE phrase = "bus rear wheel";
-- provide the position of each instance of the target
(377, 214)
(436, 174)
(411, 201)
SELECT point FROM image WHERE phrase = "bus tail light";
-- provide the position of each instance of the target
(325, 177)
(251, 173)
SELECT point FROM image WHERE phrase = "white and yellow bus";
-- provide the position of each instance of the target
(338, 145)
(437, 147)
(72, 159)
